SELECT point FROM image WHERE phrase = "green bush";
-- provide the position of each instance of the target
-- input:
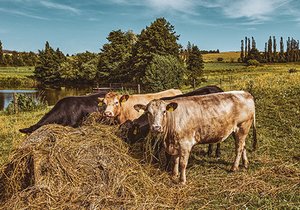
(253, 62)
(27, 102)
(292, 70)
(163, 72)
(220, 59)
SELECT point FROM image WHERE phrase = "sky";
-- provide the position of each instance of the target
(77, 26)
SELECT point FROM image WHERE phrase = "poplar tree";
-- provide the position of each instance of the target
(270, 49)
(288, 50)
(242, 51)
(2, 63)
(281, 54)
(246, 51)
(249, 46)
(266, 52)
(274, 50)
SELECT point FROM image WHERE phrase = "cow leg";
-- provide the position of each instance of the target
(210, 150)
(244, 158)
(184, 158)
(240, 136)
(175, 166)
(218, 150)
(169, 162)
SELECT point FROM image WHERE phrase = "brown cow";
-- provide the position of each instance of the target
(121, 106)
(206, 119)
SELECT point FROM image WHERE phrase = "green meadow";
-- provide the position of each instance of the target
(273, 178)
(17, 77)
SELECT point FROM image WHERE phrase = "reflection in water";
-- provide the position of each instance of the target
(50, 95)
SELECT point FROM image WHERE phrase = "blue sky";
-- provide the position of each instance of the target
(76, 26)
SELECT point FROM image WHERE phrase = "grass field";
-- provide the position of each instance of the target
(273, 178)
(227, 56)
(13, 77)
(16, 71)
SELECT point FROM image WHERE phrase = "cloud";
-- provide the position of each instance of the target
(185, 6)
(24, 14)
(254, 10)
(52, 5)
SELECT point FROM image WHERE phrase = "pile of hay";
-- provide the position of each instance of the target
(85, 168)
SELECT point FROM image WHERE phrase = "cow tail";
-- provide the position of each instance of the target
(254, 144)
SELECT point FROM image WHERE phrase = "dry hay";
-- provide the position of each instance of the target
(86, 168)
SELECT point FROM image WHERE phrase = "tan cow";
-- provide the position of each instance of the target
(121, 106)
(184, 122)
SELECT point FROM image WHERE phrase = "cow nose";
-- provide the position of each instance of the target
(156, 128)
(108, 113)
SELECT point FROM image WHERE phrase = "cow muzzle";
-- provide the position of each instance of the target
(108, 114)
(156, 128)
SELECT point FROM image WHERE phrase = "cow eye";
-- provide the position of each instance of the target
(165, 112)
(116, 102)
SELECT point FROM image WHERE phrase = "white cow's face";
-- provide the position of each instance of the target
(157, 112)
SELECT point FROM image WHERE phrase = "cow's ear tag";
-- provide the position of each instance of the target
(123, 99)
(100, 101)
(170, 109)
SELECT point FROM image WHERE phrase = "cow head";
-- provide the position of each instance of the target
(157, 111)
(113, 102)
(133, 131)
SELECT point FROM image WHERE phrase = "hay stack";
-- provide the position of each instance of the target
(86, 168)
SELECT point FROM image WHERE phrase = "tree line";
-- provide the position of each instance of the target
(271, 54)
(14, 58)
(152, 58)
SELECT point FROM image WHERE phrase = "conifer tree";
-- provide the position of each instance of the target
(158, 38)
(113, 61)
(48, 66)
(195, 65)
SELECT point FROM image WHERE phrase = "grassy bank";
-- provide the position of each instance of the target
(273, 178)
(17, 77)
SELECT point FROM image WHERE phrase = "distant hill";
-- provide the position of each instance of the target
(9, 51)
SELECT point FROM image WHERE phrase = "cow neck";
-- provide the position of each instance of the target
(169, 128)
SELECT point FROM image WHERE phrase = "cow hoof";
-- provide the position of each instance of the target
(182, 183)
(234, 169)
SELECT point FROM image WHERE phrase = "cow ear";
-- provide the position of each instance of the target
(139, 107)
(123, 98)
(100, 101)
(171, 107)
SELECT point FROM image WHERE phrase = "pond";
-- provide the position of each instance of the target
(50, 95)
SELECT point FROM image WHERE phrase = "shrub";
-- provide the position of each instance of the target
(253, 62)
(292, 70)
(220, 59)
(27, 102)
